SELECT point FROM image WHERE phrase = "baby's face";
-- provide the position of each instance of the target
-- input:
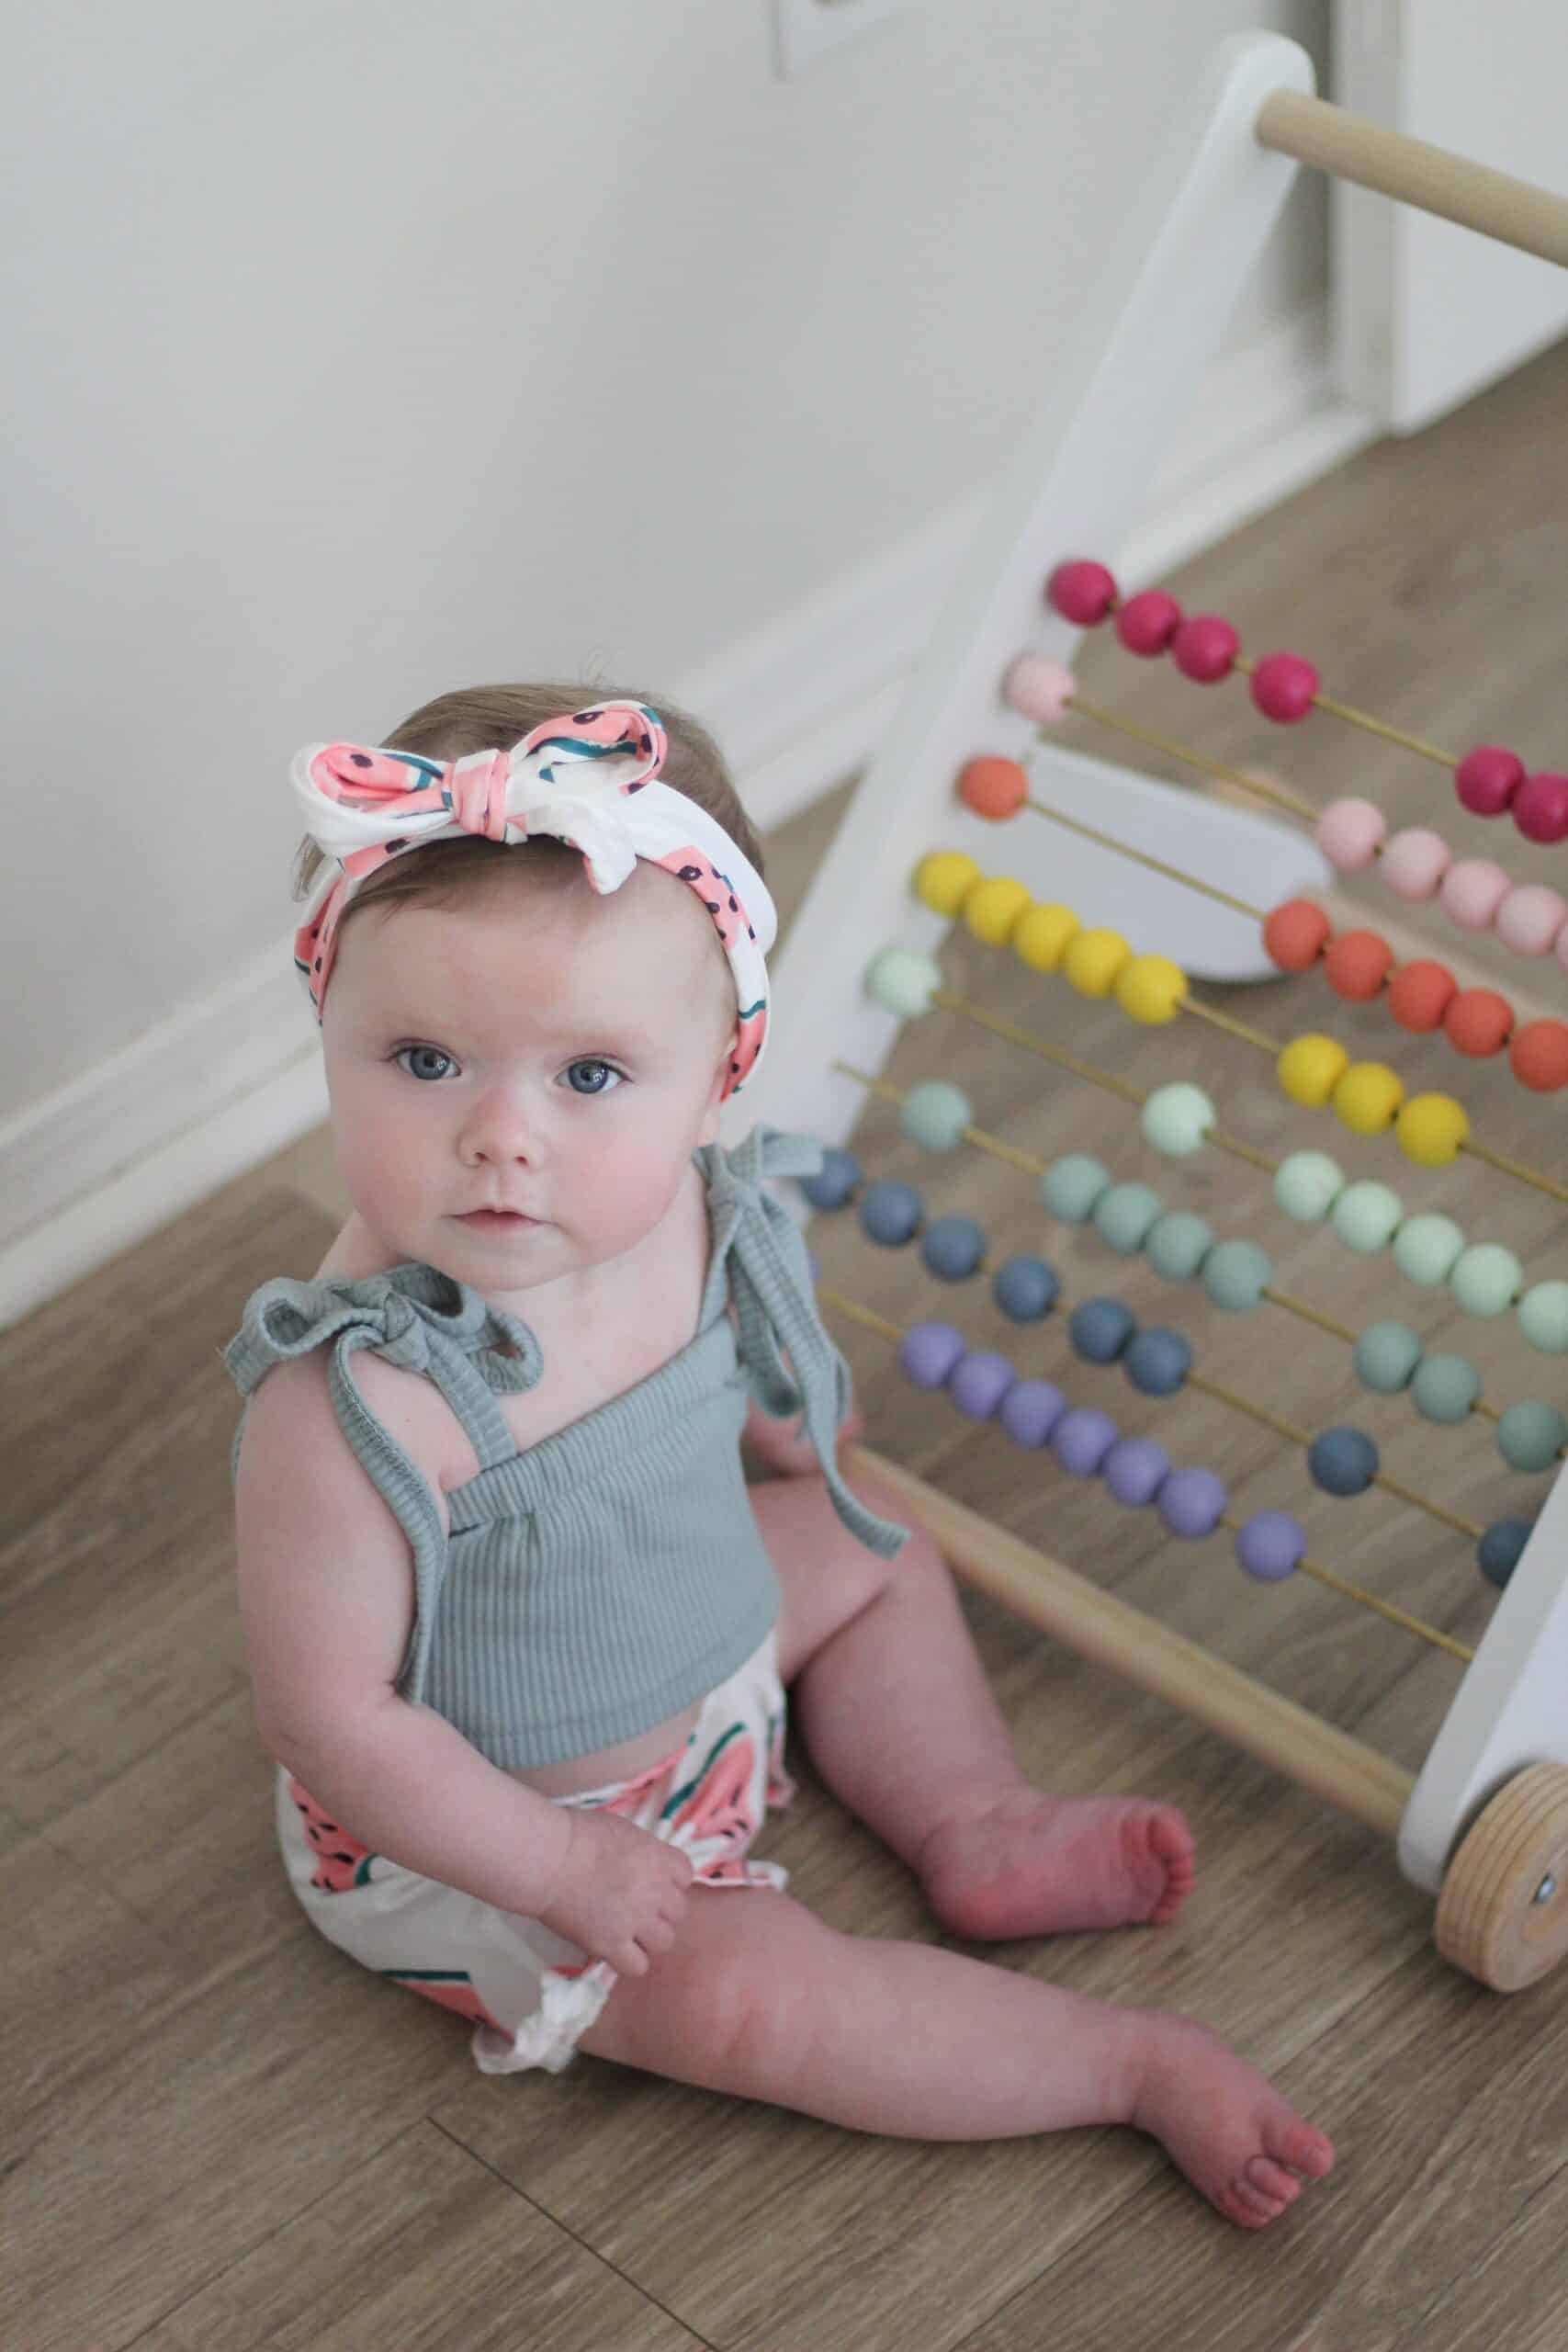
(518, 1084)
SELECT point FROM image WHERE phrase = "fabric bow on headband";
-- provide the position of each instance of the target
(588, 779)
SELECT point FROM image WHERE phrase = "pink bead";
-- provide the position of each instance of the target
(1038, 687)
(1350, 833)
(1204, 648)
(1531, 918)
(1146, 622)
(1560, 948)
(1472, 890)
(1283, 686)
(1415, 862)
(1081, 592)
(1540, 807)
(1487, 778)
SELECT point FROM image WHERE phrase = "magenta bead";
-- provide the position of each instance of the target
(1415, 862)
(1350, 833)
(1284, 686)
(1531, 918)
(1540, 807)
(1038, 687)
(1472, 891)
(979, 1381)
(1204, 648)
(1081, 592)
(1487, 778)
(1082, 1438)
(1190, 1502)
(1146, 622)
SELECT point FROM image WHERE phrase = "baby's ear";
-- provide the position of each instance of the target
(709, 1131)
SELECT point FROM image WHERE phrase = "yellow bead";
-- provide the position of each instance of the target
(1042, 935)
(1095, 960)
(1151, 989)
(1310, 1069)
(945, 878)
(1430, 1129)
(993, 906)
(1368, 1098)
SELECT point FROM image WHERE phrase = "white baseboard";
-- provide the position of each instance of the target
(230, 1080)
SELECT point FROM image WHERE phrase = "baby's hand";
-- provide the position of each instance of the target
(621, 1892)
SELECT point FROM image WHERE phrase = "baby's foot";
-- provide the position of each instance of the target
(1239, 2143)
(1030, 1865)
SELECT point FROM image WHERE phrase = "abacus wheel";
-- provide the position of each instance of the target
(1503, 1911)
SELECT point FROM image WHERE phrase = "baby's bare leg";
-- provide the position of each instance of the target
(762, 2000)
(898, 1717)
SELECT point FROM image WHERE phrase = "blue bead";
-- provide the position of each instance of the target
(1343, 1460)
(891, 1213)
(1026, 1289)
(952, 1247)
(1499, 1549)
(1157, 1362)
(839, 1176)
(1099, 1330)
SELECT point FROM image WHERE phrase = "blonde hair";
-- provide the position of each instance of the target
(482, 719)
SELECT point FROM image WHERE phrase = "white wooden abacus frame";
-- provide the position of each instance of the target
(1148, 327)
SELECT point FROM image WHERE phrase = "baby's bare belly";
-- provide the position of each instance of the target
(622, 1762)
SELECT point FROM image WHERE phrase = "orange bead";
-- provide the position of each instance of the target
(1357, 963)
(1420, 993)
(993, 788)
(1294, 934)
(1478, 1021)
(1538, 1055)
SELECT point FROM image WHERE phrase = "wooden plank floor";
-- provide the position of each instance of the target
(216, 2135)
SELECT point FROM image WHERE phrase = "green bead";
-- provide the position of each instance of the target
(1177, 1244)
(1543, 1318)
(1122, 1215)
(1177, 1119)
(1235, 1275)
(1070, 1187)
(902, 982)
(1307, 1185)
(1445, 1387)
(1367, 1215)
(1386, 1356)
(1531, 1435)
(1485, 1280)
(1426, 1247)
(935, 1114)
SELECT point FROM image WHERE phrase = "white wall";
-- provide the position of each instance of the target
(372, 347)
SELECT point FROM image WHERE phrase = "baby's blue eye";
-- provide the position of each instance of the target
(417, 1062)
(593, 1078)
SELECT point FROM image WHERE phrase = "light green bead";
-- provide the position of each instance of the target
(1367, 1215)
(1307, 1185)
(1386, 1356)
(936, 1114)
(1235, 1275)
(1426, 1247)
(1070, 1187)
(902, 982)
(1445, 1387)
(1543, 1318)
(1531, 1435)
(1486, 1279)
(1177, 1244)
(1177, 1119)
(1123, 1216)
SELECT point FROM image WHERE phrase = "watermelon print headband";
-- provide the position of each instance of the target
(588, 779)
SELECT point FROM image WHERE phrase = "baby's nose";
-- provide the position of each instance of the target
(500, 1128)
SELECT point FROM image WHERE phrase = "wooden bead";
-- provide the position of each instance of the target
(993, 788)
(1538, 1055)
(1294, 934)
(1477, 1022)
(1357, 963)
(1420, 993)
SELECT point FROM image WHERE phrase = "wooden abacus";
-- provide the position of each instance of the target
(1484, 1824)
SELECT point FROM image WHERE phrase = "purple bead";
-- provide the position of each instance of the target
(1031, 1410)
(1082, 1438)
(979, 1381)
(1190, 1502)
(928, 1352)
(1269, 1545)
(1136, 1469)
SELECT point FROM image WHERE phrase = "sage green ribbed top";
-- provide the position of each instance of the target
(603, 1579)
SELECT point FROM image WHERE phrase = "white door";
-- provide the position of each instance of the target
(1424, 313)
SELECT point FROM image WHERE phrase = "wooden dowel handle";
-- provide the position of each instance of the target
(1494, 203)
(1296, 1744)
